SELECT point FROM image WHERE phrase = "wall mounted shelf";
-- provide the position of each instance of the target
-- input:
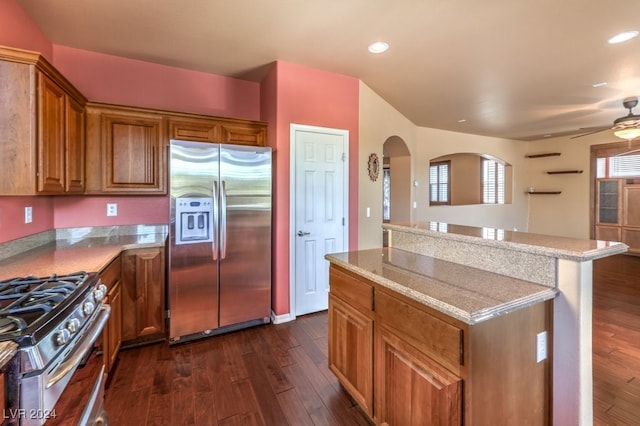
(546, 154)
(543, 192)
(563, 172)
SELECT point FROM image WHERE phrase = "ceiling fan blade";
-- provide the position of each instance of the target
(591, 133)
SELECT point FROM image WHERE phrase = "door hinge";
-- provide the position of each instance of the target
(167, 314)
(343, 221)
(344, 156)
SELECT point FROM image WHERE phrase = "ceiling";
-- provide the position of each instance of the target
(514, 69)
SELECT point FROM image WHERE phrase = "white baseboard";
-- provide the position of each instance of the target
(279, 319)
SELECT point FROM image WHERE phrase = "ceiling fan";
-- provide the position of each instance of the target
(626, 127)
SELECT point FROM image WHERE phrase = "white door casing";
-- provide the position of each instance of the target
(319, 203)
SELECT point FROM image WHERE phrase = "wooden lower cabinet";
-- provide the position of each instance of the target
(351, 351)
(143, 298)
(413, 389)
(407, 364)
(112, 334)
(113, 328)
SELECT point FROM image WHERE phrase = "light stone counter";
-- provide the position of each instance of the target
(468, 294)
(78, 249)
(559, 263)
(8, 350)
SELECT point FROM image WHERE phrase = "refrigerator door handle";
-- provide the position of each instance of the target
(223, 220)
(215, 220)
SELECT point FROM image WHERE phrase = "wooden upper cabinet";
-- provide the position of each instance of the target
(194, 129)
(125, 152)
(43, 130)
(244, 134)
(199, 128)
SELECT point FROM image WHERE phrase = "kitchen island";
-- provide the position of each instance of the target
(448, 322)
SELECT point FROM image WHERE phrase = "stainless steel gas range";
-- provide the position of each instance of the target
(56, 322)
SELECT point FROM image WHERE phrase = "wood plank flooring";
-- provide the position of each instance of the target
(278, 374)
(267, 375)
(616, 341)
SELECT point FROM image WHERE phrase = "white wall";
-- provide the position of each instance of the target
(566, 214)
(434, 143)
(378, 122)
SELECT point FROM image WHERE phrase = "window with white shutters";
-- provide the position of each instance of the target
(439, 183)
(493, 183)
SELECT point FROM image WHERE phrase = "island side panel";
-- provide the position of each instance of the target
(504, 261)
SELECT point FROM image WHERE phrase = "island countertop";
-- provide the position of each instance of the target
(545, 245)
(468, 294)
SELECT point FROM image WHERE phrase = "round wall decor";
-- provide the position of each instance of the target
(373, 166)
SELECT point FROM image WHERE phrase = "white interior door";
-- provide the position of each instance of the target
(319, 212)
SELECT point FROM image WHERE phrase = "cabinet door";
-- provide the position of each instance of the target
(75, 145)
(351, 351)
(143, 299)
(51, 136)
(244, 134)
(412, 389)
(194, 129)
(114, 326)
(133, 156)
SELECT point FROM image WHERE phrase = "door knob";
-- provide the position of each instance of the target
(302, 234)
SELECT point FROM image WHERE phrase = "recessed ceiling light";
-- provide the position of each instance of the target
(462, 120)
(378, 47)
(622, 37)
(601, 84)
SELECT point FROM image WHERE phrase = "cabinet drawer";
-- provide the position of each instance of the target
(440, 340)
(111, 274)
(357, 293)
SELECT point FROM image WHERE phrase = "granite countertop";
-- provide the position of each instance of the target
(63, 256)
(545, 245)
(468, 294)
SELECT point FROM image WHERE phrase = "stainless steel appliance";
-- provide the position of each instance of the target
(220, 238)
(56, 322)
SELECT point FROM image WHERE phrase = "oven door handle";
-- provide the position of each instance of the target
(87, 342)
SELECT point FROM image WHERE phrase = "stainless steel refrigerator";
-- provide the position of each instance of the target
(220, 238)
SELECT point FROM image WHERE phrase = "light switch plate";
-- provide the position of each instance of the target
(112, 209)
(541, 346)
(28, 214)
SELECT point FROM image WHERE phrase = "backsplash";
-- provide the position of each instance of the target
(71, 235)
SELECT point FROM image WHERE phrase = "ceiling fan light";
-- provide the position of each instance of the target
(628, 133)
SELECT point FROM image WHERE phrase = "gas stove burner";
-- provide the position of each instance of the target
(10, 324)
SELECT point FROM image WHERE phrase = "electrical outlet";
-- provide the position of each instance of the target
(541, 346)
(28, 215)
(112, 209)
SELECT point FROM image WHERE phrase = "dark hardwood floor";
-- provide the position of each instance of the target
(278, 374)
(616, 341)
(268, 375)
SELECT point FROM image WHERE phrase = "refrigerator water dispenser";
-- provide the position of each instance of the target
(194, 220)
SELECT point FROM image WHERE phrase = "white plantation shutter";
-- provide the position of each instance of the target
(624, 166)
(493, 184)
(439, 183)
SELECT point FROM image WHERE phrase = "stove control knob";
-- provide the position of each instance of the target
(98, 295)
(88, 308)
(62, 337)
(73, 325)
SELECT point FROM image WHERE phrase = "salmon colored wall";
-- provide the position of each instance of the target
(118, 80)
(18, 30)
(73, 212)
(111, 79)
(302, 95)
(12, 224)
